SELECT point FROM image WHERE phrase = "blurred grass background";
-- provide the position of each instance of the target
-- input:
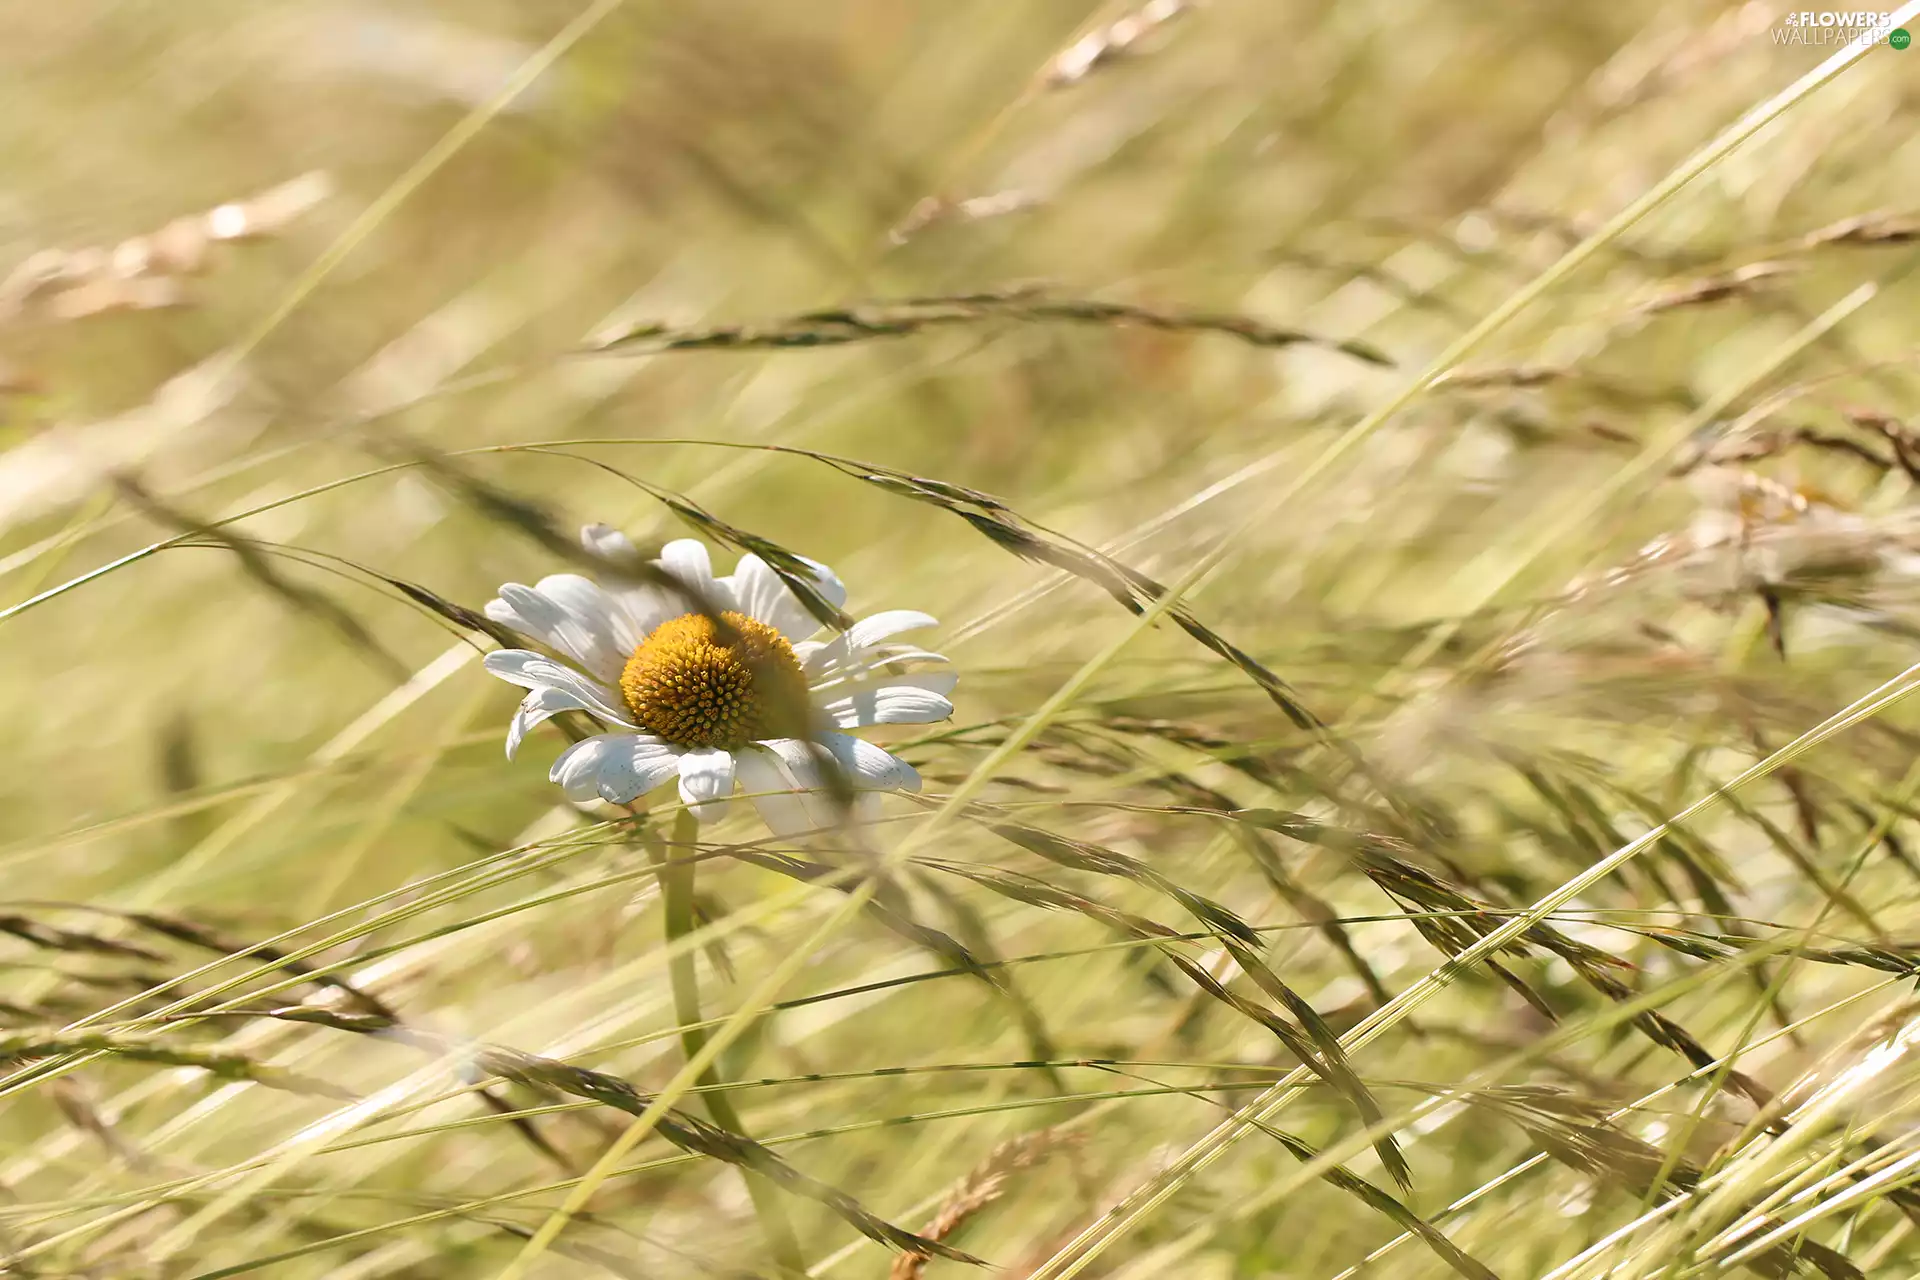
(261, 248)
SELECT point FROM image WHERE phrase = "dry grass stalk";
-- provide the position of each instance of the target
(1741, 282)
(1906, 446)
(684, 1130)
(33, 1043)
(1661, 64)
(1865, 229)
(1112, 41)
(1099, 47)
(70, 1097)
(146, 272)
(995, 204)
(985, 1183)
(1511, 377)
(1737, 509)
(895, 318)
(1444, 851)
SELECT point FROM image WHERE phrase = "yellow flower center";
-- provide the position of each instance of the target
(688, 686)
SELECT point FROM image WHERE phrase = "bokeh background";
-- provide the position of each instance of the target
(310, 300)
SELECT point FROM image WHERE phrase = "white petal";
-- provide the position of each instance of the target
(761, 594)
(819, 660)
(633, 765)
(686, 559)
(828, 582)
(706, 780)
(857, 646)
(891, 622)
(940, 682)
(568, 613)
(849, 681)
(799, 762)
(822, 663)
(636, 609)
(538, 707)
(869, 767)
(782, 806)
(608, 543)
(889, 704)
(503, 613)
(526, 611)
(531, 670)
(788, 770)
(646, 607)
(595, 623)
(577, 770)
(611, 766)
(903, 653)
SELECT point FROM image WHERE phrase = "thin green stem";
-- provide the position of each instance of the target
(677, 868)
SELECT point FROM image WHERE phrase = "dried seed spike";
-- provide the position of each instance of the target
(53, 938)
(15, 381)
(141, 272)
(1740, 282)
(74, 1103)
(901, 317)
(538, 524)
(996, 204)
(132, 257)
(790, 568)
(100, 297)
(270, 211)
(196, 934)
(1077, 59)
(1512, 376)
(1864, 229)
(1315, 1046)
(925, 212)
(1128, 587)
(1104, 44)
(1080, 855)
(985, 1183)
(180, 247)
(32, 1043)
(37, 273)
(692, 1134)
(257, 565)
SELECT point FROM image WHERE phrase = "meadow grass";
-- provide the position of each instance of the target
(1415, 496)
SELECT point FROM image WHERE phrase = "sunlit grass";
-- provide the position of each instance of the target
(1417, 499)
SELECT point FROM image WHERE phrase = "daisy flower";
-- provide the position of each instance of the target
(758, 709)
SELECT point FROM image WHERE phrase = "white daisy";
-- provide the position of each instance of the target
(757, 711)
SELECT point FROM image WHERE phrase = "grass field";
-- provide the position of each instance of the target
(1418, 498)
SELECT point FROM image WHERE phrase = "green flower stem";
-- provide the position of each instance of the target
(676, 866)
